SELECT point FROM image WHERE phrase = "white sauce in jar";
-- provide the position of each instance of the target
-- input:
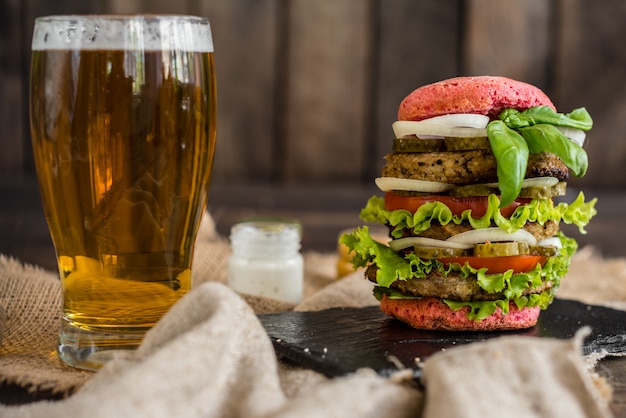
(266, 260)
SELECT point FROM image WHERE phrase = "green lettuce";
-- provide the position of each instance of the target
(393, 266)
(578, 213)
(481, 310)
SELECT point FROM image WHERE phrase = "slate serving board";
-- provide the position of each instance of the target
(339, 341)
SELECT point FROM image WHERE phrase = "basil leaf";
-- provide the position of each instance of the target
(547, 138)
(578, 119)
(513, 119)
(581, 116)
(511, 153)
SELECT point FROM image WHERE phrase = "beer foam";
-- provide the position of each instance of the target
(149, 32)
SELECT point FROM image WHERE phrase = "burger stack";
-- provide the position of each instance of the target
(469, 200)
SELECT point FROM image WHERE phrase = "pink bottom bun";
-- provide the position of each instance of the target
(433, 314)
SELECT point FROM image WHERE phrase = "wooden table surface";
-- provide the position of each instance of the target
(323, 213)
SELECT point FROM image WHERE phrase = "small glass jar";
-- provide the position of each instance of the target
(266, 260)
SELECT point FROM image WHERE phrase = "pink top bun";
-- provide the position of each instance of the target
(485, 95)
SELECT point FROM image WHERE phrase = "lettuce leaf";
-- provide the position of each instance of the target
(481, 310)
(393, 266)
(541, 211)
(367, 250)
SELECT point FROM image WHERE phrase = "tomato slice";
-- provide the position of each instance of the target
(478, 204)
(518, 263)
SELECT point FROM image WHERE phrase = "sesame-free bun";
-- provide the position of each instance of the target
(484, 95)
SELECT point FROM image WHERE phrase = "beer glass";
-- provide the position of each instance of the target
(122, 112)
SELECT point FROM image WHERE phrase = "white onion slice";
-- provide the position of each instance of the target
(402, 128)
(576, 135)
(387, 184)
(533, 182)
(402, 243)
(550, 242)
(494, 234)
(467, 120)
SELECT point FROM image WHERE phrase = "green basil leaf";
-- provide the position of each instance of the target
(511, 153)
(581, 116)
(513, 119)
(547, 138)
(578, 119)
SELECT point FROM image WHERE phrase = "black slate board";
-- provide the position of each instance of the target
(339, 341)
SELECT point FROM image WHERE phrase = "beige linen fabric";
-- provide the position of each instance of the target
(210, 357)
(512, 377)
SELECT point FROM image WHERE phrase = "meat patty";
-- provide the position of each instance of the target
(453, 286)
(466, 167)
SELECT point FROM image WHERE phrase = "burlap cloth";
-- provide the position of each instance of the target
(210, 357)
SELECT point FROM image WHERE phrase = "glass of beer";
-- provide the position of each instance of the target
(122, 112)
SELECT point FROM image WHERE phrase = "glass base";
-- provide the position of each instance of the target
(90, 350)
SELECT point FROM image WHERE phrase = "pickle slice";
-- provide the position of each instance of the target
(465, 144)
(501, 249)
(544, 251)
(414, 144)
(527, 192)
(544, 192)
(472, 190)
(411, 193)
(435, 252)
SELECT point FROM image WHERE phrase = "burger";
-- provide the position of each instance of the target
(473, 203)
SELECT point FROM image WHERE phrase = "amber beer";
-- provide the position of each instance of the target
(123, 139)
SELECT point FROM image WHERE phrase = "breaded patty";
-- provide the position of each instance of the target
(465, 167)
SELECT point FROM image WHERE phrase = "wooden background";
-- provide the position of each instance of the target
(308, 89)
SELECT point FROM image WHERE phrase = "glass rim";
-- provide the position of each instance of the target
(121, 17)
(122, 31)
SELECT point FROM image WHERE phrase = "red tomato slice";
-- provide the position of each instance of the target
(478, 204)
(519, 263)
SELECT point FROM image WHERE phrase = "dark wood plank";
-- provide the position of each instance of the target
(417, 44)
(307, 90)
(150, 6)
(326, 108)
(590, 71)
(508, 38)
(13, 145)
(246, 36)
